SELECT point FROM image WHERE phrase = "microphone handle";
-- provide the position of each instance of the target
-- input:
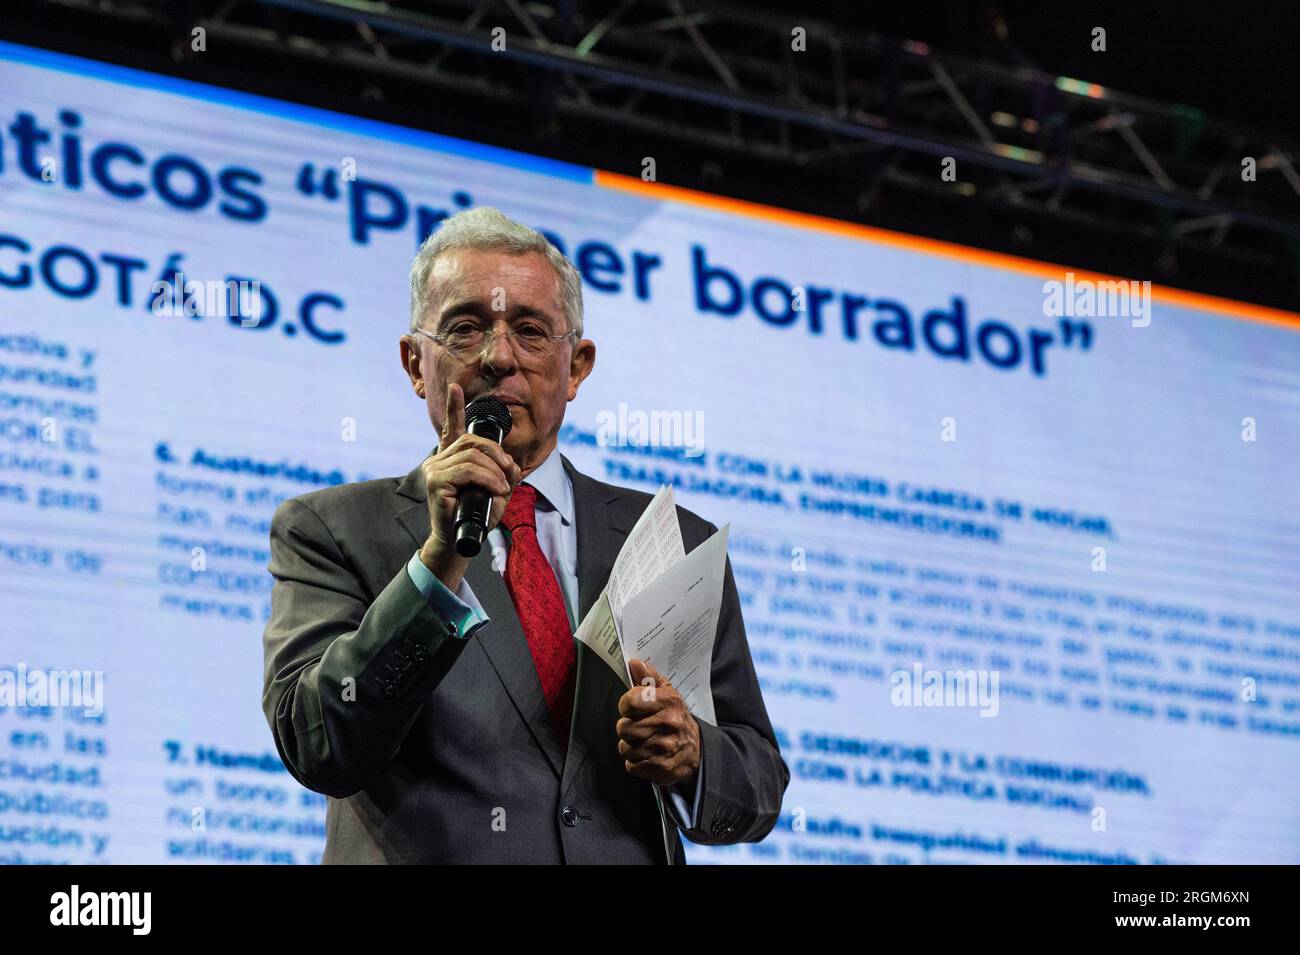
(474, 507)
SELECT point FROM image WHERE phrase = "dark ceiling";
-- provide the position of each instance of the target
(1238, 60)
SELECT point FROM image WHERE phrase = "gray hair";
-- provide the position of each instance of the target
(487, 228)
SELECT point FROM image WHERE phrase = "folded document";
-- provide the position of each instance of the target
(661, 605)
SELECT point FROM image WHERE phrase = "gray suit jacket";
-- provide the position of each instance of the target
(438, 749)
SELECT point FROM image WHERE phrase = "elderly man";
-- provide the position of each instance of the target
(441, 702)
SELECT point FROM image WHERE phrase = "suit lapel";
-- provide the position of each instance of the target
(603, 527)
(506, 646)
(598, 541)
(503, 639)
(600, 536)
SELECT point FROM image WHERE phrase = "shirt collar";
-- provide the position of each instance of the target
(551, 481)
(553, 484)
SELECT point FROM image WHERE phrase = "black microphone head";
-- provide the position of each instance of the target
(469, 538)
(488, 410)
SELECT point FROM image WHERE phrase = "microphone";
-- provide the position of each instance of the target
(489, 418)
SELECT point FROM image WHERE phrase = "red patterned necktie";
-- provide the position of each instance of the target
(540, 605)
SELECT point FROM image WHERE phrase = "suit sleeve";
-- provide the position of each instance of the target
(345, 677)
(744, 776)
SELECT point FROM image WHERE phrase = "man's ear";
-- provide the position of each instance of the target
(411, 364)
(580, 365)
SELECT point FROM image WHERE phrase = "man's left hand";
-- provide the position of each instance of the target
(658, 737)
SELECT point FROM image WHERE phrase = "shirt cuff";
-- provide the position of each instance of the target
(686, 815)
(461, 608)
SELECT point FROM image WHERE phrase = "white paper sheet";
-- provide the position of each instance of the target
(654, 545)
(671, 623)
(598, 632)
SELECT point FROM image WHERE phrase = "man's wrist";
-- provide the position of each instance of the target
(448, 566)
(687, 786)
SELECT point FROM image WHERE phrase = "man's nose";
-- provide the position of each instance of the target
(498, 358)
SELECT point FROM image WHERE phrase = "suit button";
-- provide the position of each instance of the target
(569, 816)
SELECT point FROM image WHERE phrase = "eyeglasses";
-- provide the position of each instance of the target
(466, 339)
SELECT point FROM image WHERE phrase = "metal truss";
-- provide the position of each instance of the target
(821, 100)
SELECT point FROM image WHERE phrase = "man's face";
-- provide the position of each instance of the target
(495, 289)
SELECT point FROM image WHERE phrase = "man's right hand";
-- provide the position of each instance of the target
(462, 460)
